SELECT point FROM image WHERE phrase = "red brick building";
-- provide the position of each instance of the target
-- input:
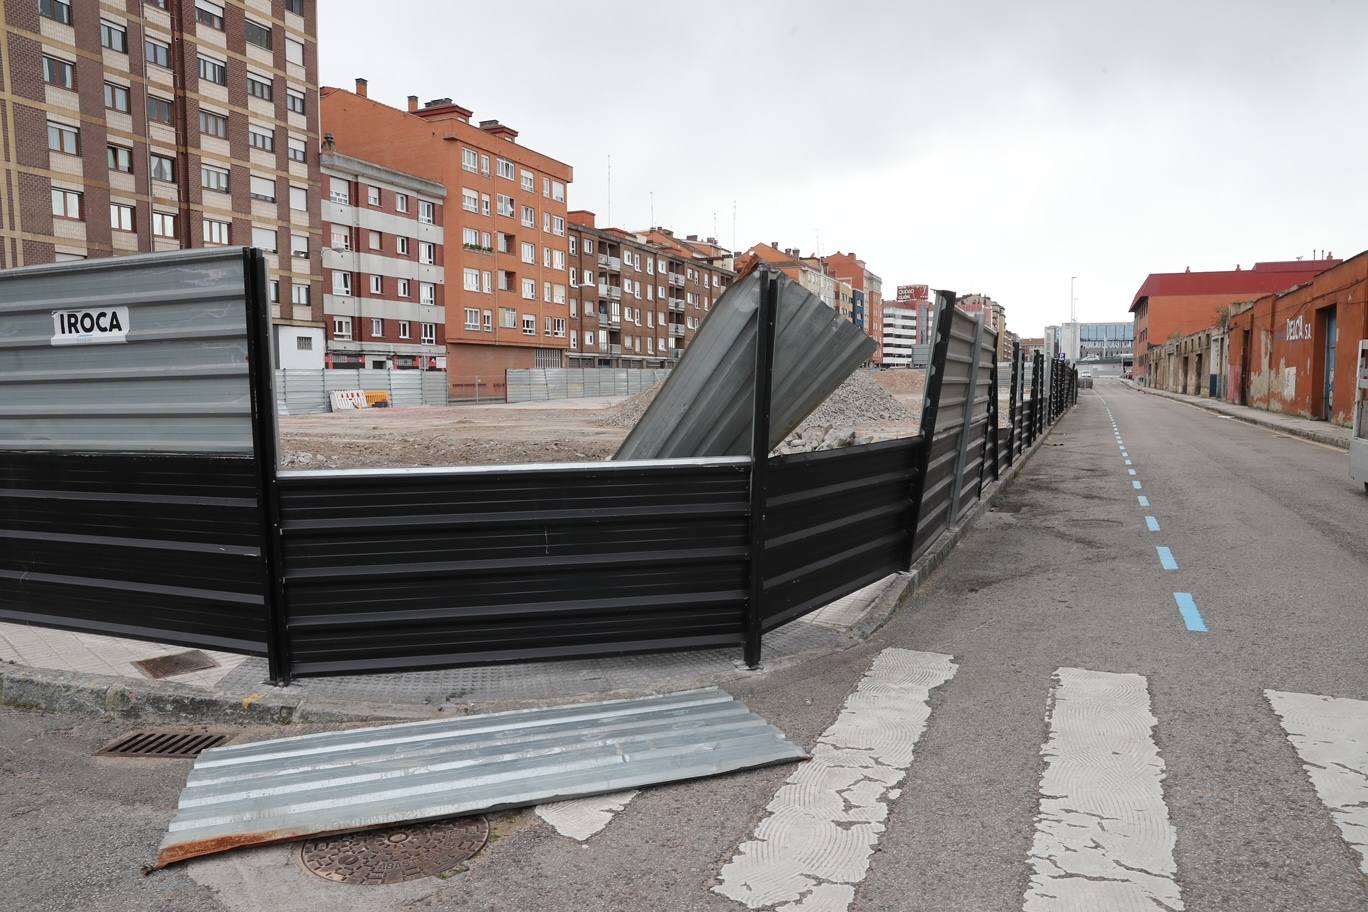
(1172, 304)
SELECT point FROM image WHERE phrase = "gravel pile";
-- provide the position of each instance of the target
(628, 412)
(860, 400)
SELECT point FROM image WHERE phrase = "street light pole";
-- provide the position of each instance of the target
(1072, 318)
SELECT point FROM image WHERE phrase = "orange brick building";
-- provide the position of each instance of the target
(507, 259)
(1297, 351)
(1179, 303)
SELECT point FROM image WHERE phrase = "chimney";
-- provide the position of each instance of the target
(438, 103)
(494, 128)
(361, 87)
(712, 241)
(412, 103)
(691, 237)
(329, 143)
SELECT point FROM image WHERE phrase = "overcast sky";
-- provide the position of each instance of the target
(998, 147)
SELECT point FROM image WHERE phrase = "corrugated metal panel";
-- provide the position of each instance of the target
(936, 513)
(289, 788)
(177, 384)
(705, 408)
(835, 521)
(434, 387)
(152, 547)
(400, 569)
(536, 384)
(405, 388)
(978, 440)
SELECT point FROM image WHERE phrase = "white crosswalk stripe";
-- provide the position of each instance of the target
(1103, 839)
(1331, 737)
(824, 822)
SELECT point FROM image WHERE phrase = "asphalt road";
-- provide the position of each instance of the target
(1270, 539)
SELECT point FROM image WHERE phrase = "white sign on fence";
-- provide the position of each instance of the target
(346, 400)
(90, 327)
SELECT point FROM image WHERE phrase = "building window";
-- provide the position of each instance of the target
(214, 178)
(119, 158)
(164, 224)
(158, 109)
(429, 334)
(377, 285)
(484, 165)
(372, 195)
(401, 245)
(472, 279)
(114, 37)
(67, 204)
(121, 216)
(470, 160)
(342, 283)
(265, 238)
(403, 288)
(404, 331)
(427, 212)
(472, 318)
(558, 228)
(55, 9)
(163, 168)
(470, 237)
(263, 188)
(342, 328)
(376, 240)
(427, 253)
(339, 191)
(59, 72)
(470, 200)
(341, 238)
(300, 293)
(484, 203)
(377, 328)
(401, 202)
(212, 124)
(116, 97)
(558, 262)
(62, 138)
(211, 70)
(529, 325)
(260, 138)
(529, 289)
(529, 252)
(588, 246)
(297, 149)
(295, 6)
(529, 216)
(558, 191)
(294, 52)
(210, 14)
(506, 169)
(216, 232)
(529, 182)
(294, 100)
(259, 86)
(505, 205)
(486, 281)
(258, 34)
(299, 245)
(427, 293)
(157, 53)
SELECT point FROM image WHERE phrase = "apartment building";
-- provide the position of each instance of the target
(909, 317)
(866, 291)
(144, 126)
(508, 205)
(807, 271)
(384, 267)
(634, 301)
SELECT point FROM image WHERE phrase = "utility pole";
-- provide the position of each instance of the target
(1072, 317)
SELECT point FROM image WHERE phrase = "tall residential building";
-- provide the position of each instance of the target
(507, 203)
(1171, 304)
(635, 302)
(144, 126)
(806, 271)
(866, 292)
(384, 287)
(913, 307)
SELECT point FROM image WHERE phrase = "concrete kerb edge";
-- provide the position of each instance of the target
(1313, 436)
(896, 596)
(83, 693)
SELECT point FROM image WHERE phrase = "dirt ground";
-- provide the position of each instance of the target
(570, 430)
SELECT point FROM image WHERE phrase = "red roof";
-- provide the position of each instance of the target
(1263, 279)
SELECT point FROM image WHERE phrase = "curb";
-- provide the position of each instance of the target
(1312, 435)
(109, 696)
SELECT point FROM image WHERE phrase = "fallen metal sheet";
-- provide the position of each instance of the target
(704, 408)
(335, 782)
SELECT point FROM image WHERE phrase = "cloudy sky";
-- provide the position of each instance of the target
(998, 147)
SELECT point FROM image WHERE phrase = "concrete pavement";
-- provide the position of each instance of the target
(1057, 688)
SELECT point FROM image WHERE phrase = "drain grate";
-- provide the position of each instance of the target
(164, 744)
(175, 664)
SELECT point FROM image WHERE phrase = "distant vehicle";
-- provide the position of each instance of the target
(1085, 379)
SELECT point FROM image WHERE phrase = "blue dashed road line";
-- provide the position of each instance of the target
(1187, 607)
(1152, 523)
(1166, 558)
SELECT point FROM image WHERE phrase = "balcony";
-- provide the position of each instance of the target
(614, 264)
(676, 279)
(603, 259)
(614, 349)
(676, 305)
(610, 320)
(677, 330)
(676, 353)
(611, 292)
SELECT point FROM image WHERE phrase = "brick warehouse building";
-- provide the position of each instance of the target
(507, 197)
(1296, 351)
(1172, 304)
(634, 301)
(143, 126)
(383, 264)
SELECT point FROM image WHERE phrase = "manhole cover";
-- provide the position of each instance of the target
(176, 663)
(395, 854)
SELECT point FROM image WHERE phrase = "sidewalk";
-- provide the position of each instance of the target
(1319, 431)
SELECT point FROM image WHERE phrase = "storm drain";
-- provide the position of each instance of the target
(175, 664)
(163, 744)
(396, 854)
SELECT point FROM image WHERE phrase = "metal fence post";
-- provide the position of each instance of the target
(926, 430)
(267, 464)
(994, 414)
(1037, 395)
(962, 446)
(1013, 408)
(766, 309)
